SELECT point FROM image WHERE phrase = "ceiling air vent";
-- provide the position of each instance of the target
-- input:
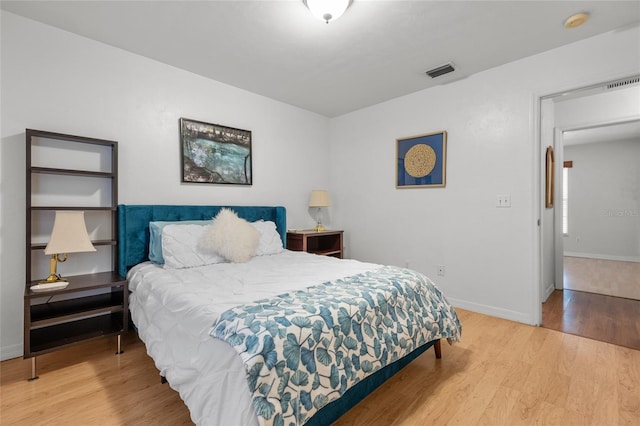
(436, 72)
(622, 83)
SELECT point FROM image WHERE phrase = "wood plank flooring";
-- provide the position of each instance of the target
(596, 316)
(507, 373)
(502, 373)
(610, 277)
(89, 385)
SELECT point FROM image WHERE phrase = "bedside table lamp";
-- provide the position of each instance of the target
(319, 199)
(69, 235)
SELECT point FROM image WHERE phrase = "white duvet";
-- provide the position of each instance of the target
(175, 309)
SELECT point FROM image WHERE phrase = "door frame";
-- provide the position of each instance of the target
(538, 193)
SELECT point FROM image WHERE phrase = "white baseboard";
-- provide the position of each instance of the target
(492, 310)
(547, 292)
(603, 256)
(11, 351)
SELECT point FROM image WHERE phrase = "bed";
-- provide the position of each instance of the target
(216, 330)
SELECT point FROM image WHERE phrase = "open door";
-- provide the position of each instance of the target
(547, 213)
(552, 243)
(558, 209)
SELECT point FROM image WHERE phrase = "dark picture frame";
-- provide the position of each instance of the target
(421, 161)
(215, 154)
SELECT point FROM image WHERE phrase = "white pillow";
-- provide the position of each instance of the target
(180, 247)
(231, 237)
(155, 236)
(270, 241)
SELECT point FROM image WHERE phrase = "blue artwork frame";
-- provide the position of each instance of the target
(421, 161)
(215, 154)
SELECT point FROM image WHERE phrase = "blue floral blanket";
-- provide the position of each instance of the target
(304, 349)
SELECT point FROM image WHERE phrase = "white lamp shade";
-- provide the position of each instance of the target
(69, 234)
(327, 10)
(319, 198)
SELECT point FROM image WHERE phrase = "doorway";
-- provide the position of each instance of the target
(600, 209)
(573, 304)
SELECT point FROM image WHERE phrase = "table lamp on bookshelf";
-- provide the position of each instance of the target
(69, 235)
(319, 199)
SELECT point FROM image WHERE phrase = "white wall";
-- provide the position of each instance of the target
(604, 200)
(491, 254)
(599, 108)
(56, 81)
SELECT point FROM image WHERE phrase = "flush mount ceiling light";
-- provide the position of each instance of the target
(576, 20)
(327, 10)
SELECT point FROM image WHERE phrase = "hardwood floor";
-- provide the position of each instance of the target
(609, 277)
(596, 316)
(89, 385)
(507, 373)
(502, 373)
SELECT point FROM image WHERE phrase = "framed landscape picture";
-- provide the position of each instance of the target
(421, 161)
(215, 154)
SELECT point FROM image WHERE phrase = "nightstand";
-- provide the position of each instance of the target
(78, 314)
(327, 243)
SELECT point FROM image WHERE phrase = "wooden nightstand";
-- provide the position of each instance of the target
(77, 315)
(327, 243)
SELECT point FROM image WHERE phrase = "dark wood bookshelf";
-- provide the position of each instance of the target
(41, 246)
(71, 172)
(64, 335)
(91, 305)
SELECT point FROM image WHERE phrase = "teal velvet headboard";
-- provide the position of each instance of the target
(133, 225)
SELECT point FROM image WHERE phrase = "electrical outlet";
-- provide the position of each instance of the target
(441, 270)
(503, 200)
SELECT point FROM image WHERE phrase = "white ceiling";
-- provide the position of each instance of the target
(376, 51)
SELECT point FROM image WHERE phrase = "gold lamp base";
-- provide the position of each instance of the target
(54, 281)
(54, 277)
(319, 227)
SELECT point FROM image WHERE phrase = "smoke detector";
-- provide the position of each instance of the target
(576, 20)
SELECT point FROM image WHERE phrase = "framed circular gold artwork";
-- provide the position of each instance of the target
(421, 160)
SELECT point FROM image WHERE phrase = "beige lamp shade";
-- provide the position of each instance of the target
(319, 198)
(69, 234)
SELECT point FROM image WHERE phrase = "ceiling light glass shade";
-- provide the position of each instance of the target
(327, 10)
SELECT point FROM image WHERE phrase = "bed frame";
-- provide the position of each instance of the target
(133, 248)
(133, 225)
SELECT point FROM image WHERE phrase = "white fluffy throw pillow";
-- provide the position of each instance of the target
(231, 237)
